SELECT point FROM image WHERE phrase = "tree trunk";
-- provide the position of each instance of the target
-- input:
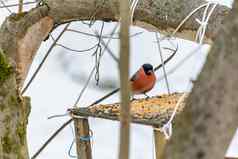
(208, 123)
(20, 37)
(14, 112)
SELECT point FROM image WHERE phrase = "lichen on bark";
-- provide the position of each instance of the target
(5, 68)
(18, 16)
(14, 111)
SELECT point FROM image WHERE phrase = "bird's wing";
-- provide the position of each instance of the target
(134, 77)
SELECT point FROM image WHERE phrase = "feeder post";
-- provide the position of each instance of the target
(160, 144)
(83, 138)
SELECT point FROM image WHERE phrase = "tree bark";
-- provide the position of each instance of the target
(13, 114)
(208, 123)
(20, 37)
(155, 15)
(83, 142)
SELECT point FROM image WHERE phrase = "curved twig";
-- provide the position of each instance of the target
(103, 36)
(51, 138)
(44, 59)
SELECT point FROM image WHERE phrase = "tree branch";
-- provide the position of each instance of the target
(124, 78)
(35, 25)
(154, 15)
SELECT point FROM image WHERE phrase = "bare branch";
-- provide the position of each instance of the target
(20, 7)
(51, 138)
(44, 59)
(5, 6)
(155, 15)
(15, 5)
(103, 36)
(124, 78)
(108, 49)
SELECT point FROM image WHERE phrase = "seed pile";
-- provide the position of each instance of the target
(152, 108)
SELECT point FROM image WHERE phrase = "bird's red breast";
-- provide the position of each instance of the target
(141, 82)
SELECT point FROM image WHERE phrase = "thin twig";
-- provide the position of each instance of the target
(44, 59)
(105, 97)
(5, 6)
(70, 149)
(98, 55)
(110, 38)
(78, 51)
(162, 61)
(51, 138)
(103, 36)
(71, 146)
(15, 5)
(181, 62)
(186, 18)
(20, 7)
(74, 50)
(108, 49)
(104, 49)
(58, 115)
(85, 86)
(168, 59)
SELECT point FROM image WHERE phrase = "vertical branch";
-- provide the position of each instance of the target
(160, 144)
(20, 6)
(124, 78)
(82, 138)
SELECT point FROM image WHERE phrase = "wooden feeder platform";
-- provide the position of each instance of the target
(154, 111)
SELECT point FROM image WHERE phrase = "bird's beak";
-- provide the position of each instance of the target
(150, 72)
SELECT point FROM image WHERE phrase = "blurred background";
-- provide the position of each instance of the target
(59, 82)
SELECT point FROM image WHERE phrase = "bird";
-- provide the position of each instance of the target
(143, 80)
(141, 83)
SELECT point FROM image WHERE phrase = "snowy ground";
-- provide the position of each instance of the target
(54, 90)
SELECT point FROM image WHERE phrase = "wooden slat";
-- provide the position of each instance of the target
(160, 144)
(82, 132)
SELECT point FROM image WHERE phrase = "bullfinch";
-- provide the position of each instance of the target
(143, 80)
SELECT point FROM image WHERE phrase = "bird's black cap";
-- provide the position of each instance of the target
(147, 68)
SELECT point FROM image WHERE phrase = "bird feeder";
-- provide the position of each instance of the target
(154, 111)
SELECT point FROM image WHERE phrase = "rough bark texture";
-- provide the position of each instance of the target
(160, 15)
(13, 114)
(160, 144)
(209, 121)
(82, 132)
(20, 37)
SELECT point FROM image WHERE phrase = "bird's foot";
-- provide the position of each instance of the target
(147, 97)
(133, 98)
